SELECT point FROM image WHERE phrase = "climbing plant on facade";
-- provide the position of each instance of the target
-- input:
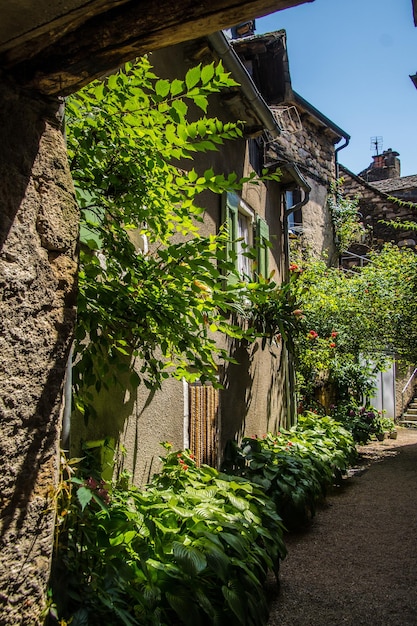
(345, 217)
(128, 140)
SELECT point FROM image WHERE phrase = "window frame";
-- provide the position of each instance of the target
(258, 236)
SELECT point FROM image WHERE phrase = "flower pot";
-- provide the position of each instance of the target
(380, 436)
(393, 434)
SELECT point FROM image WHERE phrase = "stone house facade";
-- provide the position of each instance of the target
(376, 187)
(308, 139)
(257, 394)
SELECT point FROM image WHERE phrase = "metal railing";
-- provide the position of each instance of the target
(350, 256)
(404, 390)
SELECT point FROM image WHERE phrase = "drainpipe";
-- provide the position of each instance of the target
(336, 162)
(232, 62)
(303, 184)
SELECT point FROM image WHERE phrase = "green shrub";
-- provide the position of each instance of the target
(362, 421)
(192, 548)
(295, 467)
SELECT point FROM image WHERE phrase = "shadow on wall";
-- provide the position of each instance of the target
(112, 407)
(275, 417)
(37, 461)
(236, 396)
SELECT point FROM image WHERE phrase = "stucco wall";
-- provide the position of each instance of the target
(38, 233)
(255, 389)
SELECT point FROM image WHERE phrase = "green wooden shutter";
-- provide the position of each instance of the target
(262, 246)
(230, 210)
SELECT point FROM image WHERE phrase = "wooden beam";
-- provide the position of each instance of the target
(60, 63)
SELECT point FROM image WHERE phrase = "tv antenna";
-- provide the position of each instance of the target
(376, 145)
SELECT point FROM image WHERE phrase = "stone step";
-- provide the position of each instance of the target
(412, 410)
(410, 416)
(408, 423)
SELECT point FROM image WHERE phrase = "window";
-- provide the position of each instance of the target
(246, 230)
(294, 219)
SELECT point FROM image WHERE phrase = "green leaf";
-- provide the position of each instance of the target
(236, 603)
(191, 559)
(201, 101)
(192, 77)
(162, 87)
(207, 73)
(177, 86)
(84, 496)
(182, 603)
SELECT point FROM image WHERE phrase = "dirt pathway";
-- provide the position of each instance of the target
(357, 564)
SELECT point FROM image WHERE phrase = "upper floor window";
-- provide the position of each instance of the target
(295, 218)
(248, 237)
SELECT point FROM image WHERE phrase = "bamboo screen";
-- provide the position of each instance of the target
(204, 406)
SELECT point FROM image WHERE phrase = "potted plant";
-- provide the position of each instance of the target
(388, 425)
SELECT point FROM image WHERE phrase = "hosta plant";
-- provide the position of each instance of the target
(295, 467)
(192, 548)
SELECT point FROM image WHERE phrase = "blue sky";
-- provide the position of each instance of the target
(352, 59)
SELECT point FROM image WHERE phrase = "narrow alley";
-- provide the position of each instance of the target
(357, 563)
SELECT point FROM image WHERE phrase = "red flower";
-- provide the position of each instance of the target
(334, 333)
(185, 467)
(332, 344)
(294, 267)
(91, 483)
(312, 334)
(297, 312)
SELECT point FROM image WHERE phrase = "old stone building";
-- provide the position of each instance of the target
(257, 394)
(376, 188)
(282, 132)
(308, 140)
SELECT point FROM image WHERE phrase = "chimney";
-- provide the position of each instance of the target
(385, 165)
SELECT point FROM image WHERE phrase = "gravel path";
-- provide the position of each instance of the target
(357, 563)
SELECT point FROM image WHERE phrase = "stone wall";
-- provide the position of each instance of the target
(376, 208)
(312, 150)
(38, 240)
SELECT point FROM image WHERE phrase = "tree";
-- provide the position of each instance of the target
(355, 321)
(128, 139)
